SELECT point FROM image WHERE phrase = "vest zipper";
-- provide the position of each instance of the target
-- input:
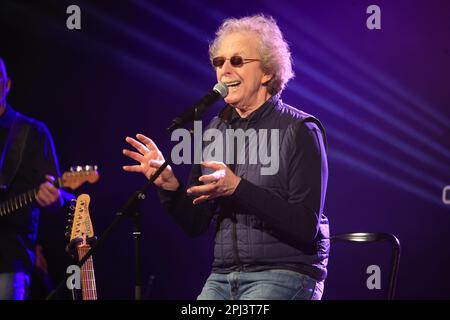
(237, 260)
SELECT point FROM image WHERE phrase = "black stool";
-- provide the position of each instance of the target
(376, 237)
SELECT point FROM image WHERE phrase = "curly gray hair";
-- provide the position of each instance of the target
(273, 48)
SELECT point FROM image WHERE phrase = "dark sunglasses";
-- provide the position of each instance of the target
(236, 61)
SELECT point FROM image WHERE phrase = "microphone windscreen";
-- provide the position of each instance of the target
(221, 88)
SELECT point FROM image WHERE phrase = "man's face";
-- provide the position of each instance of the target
(248, 91)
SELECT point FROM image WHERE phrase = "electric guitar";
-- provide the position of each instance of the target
(81, 238)
(71, 179)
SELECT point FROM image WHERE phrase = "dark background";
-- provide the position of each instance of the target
(382, 95)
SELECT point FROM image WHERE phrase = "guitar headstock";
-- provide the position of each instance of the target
(78, 175)
(81, 240)
(81, 228)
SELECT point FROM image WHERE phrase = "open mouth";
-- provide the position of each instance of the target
(232, 84)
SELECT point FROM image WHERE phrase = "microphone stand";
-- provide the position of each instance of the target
(130, 210)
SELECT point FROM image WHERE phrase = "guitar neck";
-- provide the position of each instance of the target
(88, 287)
(22, 200)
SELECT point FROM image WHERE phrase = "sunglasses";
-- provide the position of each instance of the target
(236, 61)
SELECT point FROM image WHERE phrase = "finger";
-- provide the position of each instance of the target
(134, 168)
(50, 188)
(46, 190)
(200, 199)
(137, 145)
(204, 198)
(148, 142)
(216, 165)
(201, 190)
(133, 155)
(50, 178)
(43, 197)
(208, 178)
(49, 185)
(213, 177)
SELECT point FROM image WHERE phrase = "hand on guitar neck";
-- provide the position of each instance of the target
(49, 196)
(48, 193)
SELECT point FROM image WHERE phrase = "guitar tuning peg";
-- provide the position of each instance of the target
(69, 221)
(72, 169)
(67, 234)
(79, 168)
(95, 168)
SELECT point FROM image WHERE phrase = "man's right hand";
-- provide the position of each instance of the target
(150, 159)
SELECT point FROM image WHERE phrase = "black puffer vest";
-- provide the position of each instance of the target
(243, 242)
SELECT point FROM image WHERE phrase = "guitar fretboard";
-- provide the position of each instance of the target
(88, 287)
(22, 200)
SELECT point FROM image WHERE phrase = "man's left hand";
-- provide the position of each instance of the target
(221, 183)
(48, 195)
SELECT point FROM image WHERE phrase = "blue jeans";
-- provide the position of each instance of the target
(14, 285)
(262, 285)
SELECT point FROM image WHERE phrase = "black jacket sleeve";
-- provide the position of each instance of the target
(193, 219)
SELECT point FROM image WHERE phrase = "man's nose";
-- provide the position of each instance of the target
(227, 65)
(226, 68)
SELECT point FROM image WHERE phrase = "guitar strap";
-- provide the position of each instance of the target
(12, 153)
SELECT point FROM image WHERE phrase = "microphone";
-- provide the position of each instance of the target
(195, 112)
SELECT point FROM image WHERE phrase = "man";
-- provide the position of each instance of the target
(272, 238)
(28, 160)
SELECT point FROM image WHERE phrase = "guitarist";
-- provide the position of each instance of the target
(27, 160)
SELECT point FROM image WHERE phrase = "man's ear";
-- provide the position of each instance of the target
(266, 79)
